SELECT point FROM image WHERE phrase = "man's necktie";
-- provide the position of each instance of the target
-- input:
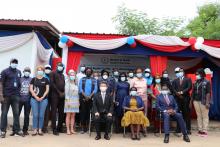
(167, 99)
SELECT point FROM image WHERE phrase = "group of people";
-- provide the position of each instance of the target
(133, 99)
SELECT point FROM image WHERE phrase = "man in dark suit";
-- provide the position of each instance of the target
(167, 105)
(181, 88)
(103, 110)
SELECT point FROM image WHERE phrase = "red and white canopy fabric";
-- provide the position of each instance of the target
(161, 43)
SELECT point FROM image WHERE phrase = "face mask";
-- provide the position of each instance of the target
(60, 68)
(178, 75)
(40, 73)
(72, 78)
(164, 92)
(116, 73)
(14, 65)
(96, 78)
(198, 77)
(147, 74)
(157, 81)
(139, 75)
(165, 75)
(123, 79)
(105, 77)
(181, 74)
(47, 71)
(26, 74)
(82, 69)
(133, 93)
(131, 75)
(103, 89)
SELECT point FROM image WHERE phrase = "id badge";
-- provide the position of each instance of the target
(15, 84)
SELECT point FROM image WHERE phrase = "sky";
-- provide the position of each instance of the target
(93, 16)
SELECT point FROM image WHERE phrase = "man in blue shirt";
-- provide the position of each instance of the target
(87, 89)
(11, 92)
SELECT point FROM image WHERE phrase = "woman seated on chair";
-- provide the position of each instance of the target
(134, 115)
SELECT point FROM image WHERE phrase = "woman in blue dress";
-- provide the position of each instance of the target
(122, 90)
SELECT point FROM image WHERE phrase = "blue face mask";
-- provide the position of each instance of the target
(40, 73)
(133, 93)
(181, 74)
(157, 81)
(139, 75)
(198, 77)
(14, 65)
(26, 74)
(72, 78)
(178, 75)
(60, 68)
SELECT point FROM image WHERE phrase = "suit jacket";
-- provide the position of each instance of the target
(185, 87)
(100, 107)
(162, 105)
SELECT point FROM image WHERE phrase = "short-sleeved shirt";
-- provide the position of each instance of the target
(39, 86)
(141, 85)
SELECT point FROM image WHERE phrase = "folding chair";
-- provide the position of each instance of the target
(91, 124)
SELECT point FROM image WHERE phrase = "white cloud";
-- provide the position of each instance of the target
(93, 15)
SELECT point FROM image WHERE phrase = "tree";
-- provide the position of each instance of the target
(207, 23)
(133, 22)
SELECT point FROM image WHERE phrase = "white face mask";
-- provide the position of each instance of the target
(105, 77)
(123, 79)
(96, 78)
(116, 73)
(82, 69)
(165, 75)
(164, 92)
(131, 75)
(103, 89)
(47, 71)
(40, 73)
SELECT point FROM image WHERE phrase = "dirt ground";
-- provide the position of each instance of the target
(117, 140)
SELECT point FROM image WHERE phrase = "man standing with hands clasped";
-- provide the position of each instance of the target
(181, 88)
(87, 89)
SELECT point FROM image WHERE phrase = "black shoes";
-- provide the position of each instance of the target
(55, 132)
(166, 138)
(98, 137)
(106, 137)
(25, 133)
(17, 134)
(186, 138)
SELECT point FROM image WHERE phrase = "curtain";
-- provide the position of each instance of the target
(158, 64)
(214, 112)
(73, 60)
(55, 61)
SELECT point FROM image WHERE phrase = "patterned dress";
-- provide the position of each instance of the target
(71, 97)
(134, 118)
